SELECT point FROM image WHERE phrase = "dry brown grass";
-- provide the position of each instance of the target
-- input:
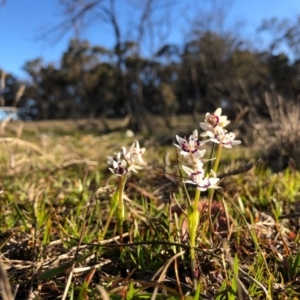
(278, 139)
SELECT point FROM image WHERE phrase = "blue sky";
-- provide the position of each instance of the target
(22, 20)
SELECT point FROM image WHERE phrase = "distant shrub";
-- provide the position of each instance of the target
(277, 138)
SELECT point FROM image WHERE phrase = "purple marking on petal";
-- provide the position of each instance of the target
(217, 120)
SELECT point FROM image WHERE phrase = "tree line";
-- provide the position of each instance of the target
(210, 69)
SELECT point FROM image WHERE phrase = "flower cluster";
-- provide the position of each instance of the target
(193, 156)
(191, 146)
(213, 126)
(127, 160)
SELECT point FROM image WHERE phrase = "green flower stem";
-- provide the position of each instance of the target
(193, 222)
(219, 152)
(211, 191)
(116, 201)
(121, 207)
(197, 199)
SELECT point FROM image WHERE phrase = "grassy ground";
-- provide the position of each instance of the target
(56, 199)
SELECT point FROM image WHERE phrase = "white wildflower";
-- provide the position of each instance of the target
(191, 145)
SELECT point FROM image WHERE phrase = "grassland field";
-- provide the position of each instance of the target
(56, 197)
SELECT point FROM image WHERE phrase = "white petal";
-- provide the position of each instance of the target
(115, 164)
(180, 140)
(112, 170)
(205, 126)
(187, 170)
(214, 140)
(110, 160)
(195, 134)
(190, 182)
(218, 112)
(210, 134)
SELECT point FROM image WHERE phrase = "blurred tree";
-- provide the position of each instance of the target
(213, 67)
(82, 86)
(149, 16)
(204, 70)
(169, 101)
(11, 90)
(284, 49)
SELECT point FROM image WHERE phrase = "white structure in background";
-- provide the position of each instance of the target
(8, 113)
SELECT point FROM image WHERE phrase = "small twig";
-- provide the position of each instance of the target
(245, 274)
(164, 268)
(97, 266)
(103, 292)
(177, 278)
(5, 287)
(240, 170)
(227, 218)
(163, 271)
(143, 192)
(182, 208)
